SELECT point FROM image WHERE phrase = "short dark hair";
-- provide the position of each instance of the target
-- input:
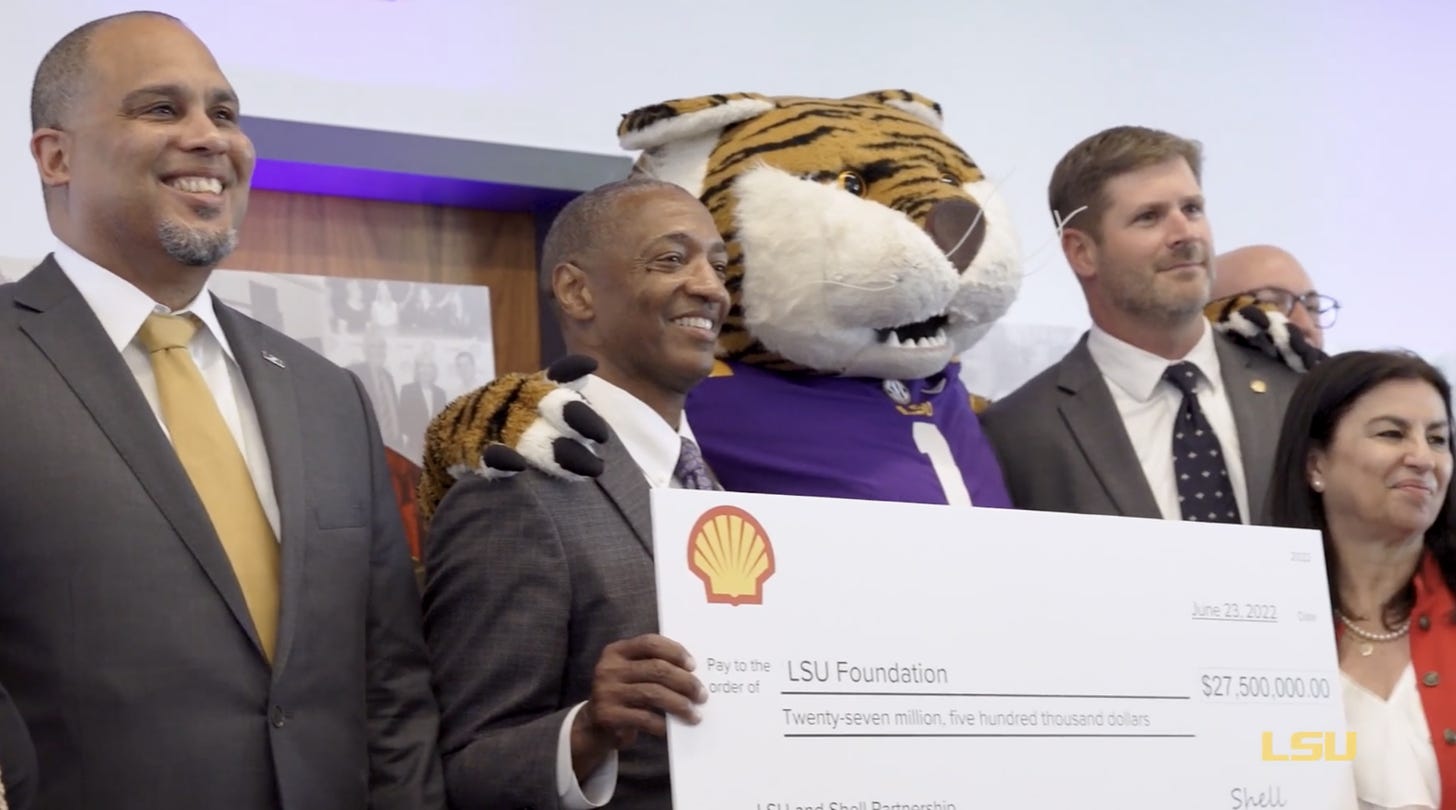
(62, 70)
(1080, 177)
(586, 220)
(1324, 395)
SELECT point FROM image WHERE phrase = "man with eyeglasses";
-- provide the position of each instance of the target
(1275, 278)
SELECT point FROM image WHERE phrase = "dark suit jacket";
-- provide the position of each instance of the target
(384, 398)
(527, 580)
(1063, 446)
(127, 645)
(17, 757)
(415, 413)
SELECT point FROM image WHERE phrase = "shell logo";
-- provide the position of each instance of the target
(731, 553)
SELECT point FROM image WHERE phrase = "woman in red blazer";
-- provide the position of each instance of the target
(1365, 457)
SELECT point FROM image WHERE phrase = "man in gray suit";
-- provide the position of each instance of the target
(540, 607)
(1152, 414)
(206, 599)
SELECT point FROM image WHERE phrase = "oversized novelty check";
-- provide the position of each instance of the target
(885, 656)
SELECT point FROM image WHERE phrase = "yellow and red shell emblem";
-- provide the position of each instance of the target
(731, 553)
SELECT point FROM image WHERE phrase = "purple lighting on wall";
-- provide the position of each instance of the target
(374, 184)
(299, 157)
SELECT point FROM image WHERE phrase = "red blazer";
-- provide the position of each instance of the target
(1433, 652)
(1433, 655)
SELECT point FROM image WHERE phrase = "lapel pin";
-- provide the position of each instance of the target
(273, 358)
(1258, 386)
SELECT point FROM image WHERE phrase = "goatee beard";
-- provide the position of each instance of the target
(196, 247)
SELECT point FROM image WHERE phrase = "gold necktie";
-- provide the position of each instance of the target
(216, 466)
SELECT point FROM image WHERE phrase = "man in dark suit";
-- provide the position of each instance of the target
(17, 758)
(1152, 414)
(205, 597)
(419, 401)
(379, 385)
(540, 606)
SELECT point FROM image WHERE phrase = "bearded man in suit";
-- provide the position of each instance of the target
(207, 598)
(1152, 414)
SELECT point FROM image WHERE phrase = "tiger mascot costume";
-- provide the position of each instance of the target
(1263, 328)
(867, 252)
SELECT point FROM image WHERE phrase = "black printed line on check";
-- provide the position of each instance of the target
(983, 695)
(822, 735)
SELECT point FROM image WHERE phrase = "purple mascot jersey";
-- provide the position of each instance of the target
(843, 437)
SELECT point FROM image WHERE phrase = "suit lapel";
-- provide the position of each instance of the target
(624, 485)
(64, 328)
(1097, 427)
(1257, 416)
(271, 388)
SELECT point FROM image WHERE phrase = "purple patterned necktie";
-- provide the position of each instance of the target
(692, 471)
(1205, 492)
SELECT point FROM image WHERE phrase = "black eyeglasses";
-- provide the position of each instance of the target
(1322, 308)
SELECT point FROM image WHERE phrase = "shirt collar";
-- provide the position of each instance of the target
(1138, 372)
(121, 307)
(646, 436)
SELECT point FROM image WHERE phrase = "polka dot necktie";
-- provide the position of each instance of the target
(1205, 491)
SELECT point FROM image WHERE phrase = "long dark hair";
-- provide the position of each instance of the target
(1322, 398)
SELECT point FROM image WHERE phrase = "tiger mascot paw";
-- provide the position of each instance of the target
(512, 423)
(1264, 329)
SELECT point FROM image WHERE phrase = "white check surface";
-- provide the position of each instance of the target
(911, 657)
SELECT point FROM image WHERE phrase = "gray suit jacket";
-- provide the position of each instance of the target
(527, 580)
(1063, 446)
(127, 645)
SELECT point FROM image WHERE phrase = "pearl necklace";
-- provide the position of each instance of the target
(1367, 647)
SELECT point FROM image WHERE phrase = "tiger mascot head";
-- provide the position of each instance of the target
(862, 241)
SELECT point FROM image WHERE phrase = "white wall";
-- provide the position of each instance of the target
(1325, 121)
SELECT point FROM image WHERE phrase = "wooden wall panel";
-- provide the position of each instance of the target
(340, 236)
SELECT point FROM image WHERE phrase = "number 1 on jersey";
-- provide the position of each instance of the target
(928, 440)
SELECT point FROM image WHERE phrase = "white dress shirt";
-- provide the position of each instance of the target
(1149, 407)
(655, 446)
(1395, 766)
(646, 436)
(122, 309)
